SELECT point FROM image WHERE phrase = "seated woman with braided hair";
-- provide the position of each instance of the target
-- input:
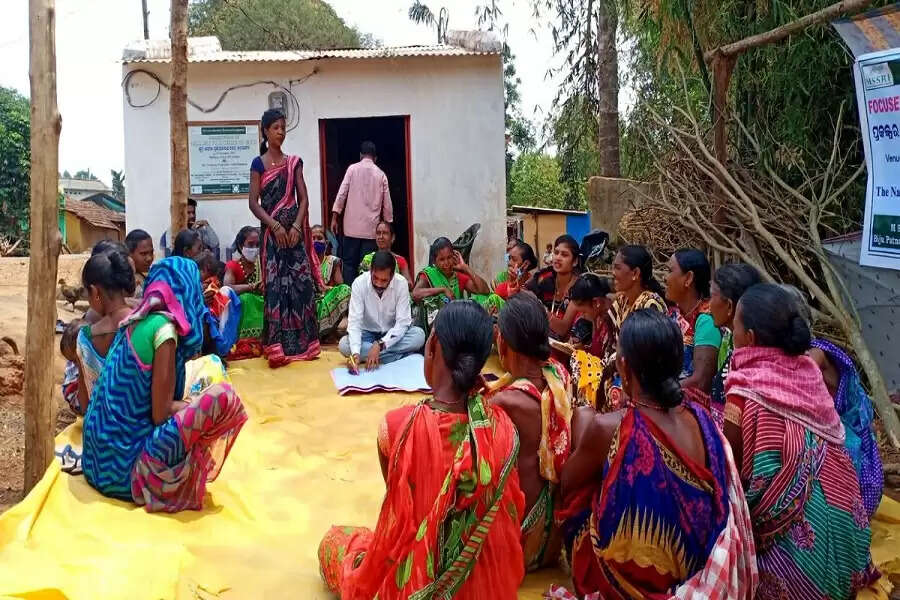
(535, 394)
(652, 501)
(449, 524)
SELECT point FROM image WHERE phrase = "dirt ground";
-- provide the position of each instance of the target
(13, 301)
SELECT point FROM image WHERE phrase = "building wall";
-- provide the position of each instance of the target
(81, 235)
(456, 138)
(540, 230)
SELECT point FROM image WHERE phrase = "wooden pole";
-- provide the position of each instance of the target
(45, 242)
(146, 15)
(779, 33)
(178, 117)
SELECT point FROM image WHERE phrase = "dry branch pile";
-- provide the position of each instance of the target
(747, 212)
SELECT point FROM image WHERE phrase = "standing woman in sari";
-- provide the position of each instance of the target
(289, 265)
(449, 523)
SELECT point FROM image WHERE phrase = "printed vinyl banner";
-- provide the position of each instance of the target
(220, 157)
(878, 98)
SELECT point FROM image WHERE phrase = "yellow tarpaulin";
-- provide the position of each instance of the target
(305, 459)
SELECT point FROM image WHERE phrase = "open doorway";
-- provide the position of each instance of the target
(339, 141)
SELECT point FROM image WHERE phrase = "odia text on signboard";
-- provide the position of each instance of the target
(220, 155)
(878, 97)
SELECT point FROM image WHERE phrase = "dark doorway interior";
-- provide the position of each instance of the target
(339, 141)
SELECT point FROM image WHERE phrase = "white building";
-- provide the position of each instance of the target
(435, 113)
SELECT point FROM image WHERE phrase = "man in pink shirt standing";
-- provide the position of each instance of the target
(362, 201)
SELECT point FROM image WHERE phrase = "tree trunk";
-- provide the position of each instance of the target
(608, 92)
(178, 117)
(146, 15)
(45, 242)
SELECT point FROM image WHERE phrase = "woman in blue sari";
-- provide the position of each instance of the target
(149, 438)
(289, 266)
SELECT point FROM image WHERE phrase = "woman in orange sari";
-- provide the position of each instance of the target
(449, 524)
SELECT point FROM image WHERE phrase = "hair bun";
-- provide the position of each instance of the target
(670, 393)
(799, 336)
(121, 272)
(465, 372)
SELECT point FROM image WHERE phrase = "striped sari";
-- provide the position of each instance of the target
(162, 467)
(449, 525)
(809, 522)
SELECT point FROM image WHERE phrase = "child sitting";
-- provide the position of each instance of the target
(70, 378)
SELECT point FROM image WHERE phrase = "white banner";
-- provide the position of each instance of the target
(878, 98)
(220, 157)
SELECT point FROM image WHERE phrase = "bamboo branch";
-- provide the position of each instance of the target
(779, 33)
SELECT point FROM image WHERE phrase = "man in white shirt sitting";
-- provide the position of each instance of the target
(380, 327)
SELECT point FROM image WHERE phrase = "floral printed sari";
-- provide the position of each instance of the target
(291, 276)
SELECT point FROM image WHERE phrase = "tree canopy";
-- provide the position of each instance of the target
(535, 181)
(15, 150)
(274, 25)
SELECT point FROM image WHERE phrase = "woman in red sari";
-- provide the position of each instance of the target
(449, 524)
(289, 267)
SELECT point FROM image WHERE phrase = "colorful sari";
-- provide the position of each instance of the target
(250, 323)
(591, 372)
(223, 319)
(291, 276)
(162, 467)
(91, 361)
(809, 522)
(449, 525)
(689, 325)
(429, 307)
(659, 524)
(333, 305)
(855, 410)
(366, 262)
(717, 392)
(553, 452)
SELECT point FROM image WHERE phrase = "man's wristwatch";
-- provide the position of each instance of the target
(381, 345)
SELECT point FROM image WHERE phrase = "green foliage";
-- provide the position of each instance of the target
(118, 184)
(15, 163)
(787, 94)
(574, 132)
(535, 182)
(273, 25)
(66, 174)
(85, 175)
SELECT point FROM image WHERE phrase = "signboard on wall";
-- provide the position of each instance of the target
(220, 154)
(878, 98)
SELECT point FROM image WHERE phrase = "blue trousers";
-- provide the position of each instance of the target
(412, 341)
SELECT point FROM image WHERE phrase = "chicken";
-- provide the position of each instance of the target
(72, 294)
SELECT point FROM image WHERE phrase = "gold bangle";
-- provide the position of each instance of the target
(297, 228)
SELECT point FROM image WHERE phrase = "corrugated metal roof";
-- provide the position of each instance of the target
(203, 51)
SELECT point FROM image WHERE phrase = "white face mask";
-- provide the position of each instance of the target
(250, 254)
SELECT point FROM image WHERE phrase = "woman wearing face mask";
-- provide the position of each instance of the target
(520, 265)
(332, 306)
(242, 276)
